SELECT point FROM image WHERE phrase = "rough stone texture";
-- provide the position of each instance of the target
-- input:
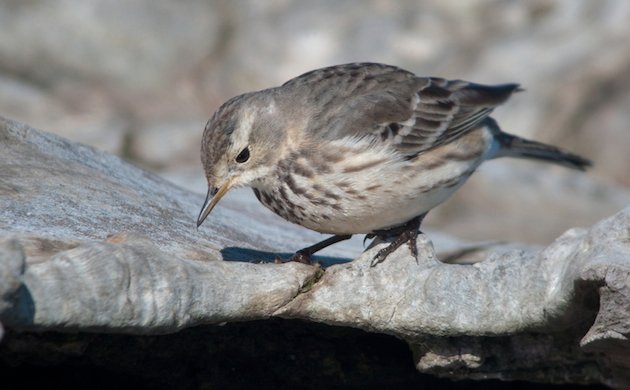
(91, 243)
(73, 208)
(140, 79)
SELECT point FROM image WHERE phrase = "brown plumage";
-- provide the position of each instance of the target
(360, 148)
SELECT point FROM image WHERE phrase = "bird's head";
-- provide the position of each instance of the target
(241, 144)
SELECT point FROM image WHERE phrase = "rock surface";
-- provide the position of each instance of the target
(140, 80)
(91, 243)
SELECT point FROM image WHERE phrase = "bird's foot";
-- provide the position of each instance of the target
(302, 257)
(410, 237)
(407, 233)
(299, 257)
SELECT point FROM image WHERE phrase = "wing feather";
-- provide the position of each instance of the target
(398, 109)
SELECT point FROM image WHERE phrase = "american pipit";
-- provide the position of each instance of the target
(359, 149)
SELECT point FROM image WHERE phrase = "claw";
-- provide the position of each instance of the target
(409, 234)
(302, 257)
(368, 237)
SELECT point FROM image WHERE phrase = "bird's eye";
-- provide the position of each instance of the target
(243, 156)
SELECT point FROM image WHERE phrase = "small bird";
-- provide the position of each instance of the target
(361, 148)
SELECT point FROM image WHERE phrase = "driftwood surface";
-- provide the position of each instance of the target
(91, 243)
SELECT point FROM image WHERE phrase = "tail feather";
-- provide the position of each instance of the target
(513, 146)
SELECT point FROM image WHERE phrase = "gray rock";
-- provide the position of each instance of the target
(91, 243)
(131, 45)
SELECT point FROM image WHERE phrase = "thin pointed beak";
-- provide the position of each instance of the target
(213, 197)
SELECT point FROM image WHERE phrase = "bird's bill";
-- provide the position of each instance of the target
(212, 200)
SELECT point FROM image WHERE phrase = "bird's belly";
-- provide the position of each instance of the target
(360, 204)
(370, 189)
(388, 209)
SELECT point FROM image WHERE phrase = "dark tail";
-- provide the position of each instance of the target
(513, 146)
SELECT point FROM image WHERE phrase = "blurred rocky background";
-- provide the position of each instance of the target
(139, 78)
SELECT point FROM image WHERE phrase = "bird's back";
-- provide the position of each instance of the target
(395, 107)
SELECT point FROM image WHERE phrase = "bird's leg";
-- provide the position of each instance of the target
(406, 233)
(304, 255)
